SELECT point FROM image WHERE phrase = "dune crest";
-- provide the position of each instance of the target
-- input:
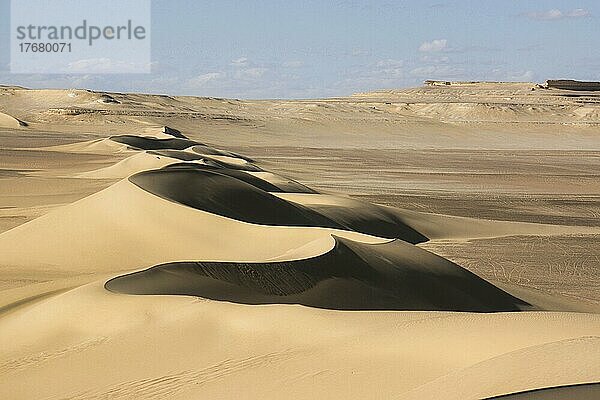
(133, 164)
(153, 143)
(105, 229)
(240, 199)
(351, 276)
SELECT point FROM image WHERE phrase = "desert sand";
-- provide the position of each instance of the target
(440, 242)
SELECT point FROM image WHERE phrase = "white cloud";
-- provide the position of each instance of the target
(385, 73)
(105, 65)
(501, 74)
(389, 73)
(240, 62)
(578, 13)
(434, 45)
(436, 71)
(556, 14)
(250, 73)
(359, 52)
(385, 70)
(83, 65)
(524, 76)
(292, 64)
(435, 59)
(204, 79)
(389, 63)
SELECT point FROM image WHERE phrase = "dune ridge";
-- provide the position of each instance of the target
(267, 182)
(141, 161)
(112, 223)
(223, 194)
(197, 272)
(152, 143)
(351, 276)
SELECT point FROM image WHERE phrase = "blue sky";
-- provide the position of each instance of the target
(305, 49)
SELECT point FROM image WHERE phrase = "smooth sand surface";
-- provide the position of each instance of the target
(131, 165)
(181, 347)
(8, 121)
(143, 256)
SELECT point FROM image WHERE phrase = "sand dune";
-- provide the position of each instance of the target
(152, 143)
(429, 225)
(96, 146)
(8, 121)
(179, 347)
(512, 372)
(282, 183)
(211, 156)
(231, 162)
(142, 161)
(351, 276)
(265, 181)
(206, 150)
(222, 194)
(104, 230)
(199, 274)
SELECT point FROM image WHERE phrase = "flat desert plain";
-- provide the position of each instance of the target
(440, 242)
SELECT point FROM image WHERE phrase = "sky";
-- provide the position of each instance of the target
(309, 49)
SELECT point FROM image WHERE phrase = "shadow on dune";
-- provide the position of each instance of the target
(288, 187)
(188, 156)
(197, 151)
(173, 132)
(352, 276)
(584, 391)
(151, 143)
(203, 149)
(247, 198)
(177, 154)
(175, 143)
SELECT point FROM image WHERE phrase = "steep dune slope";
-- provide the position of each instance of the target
(351, 276)
(223, 194)
(124, 227)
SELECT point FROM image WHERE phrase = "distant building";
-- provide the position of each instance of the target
(430, 82)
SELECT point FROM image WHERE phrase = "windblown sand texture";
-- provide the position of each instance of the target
(430, 243)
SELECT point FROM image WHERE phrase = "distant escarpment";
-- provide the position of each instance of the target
(569, 84)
